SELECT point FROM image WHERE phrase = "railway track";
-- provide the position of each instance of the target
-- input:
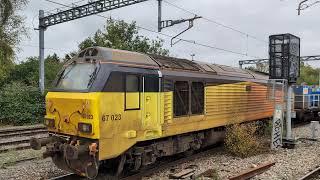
(162, 165)
(17, 138)
(299, 124)
(313, 175)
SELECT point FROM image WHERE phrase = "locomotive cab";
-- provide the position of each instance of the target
(69, 105)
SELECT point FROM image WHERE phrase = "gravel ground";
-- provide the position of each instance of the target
(35, 169)
(290, 163)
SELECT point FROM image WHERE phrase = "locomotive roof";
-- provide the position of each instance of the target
(135, 59)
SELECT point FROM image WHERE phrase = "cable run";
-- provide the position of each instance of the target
(163, 34)
(216, 22)
(37, 46)
(196, 43)
(69, 5)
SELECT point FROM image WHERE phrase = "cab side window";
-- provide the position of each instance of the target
(151, 83)
(132, 83)
(181, 98)
(197, 97)
(132, 92)
(115, 82)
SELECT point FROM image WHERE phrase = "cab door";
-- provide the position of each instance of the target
(151, 106)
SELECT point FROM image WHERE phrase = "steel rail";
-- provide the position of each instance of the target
(20, 129)
(15, 142)
(311, 175)
(247, 174)
(23, 133)
(69, 176)
(17, 148)
(19, 161)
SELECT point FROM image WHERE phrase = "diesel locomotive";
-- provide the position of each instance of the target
(116, 111)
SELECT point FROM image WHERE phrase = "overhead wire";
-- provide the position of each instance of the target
(216, 22)
(37, 46)
(69, 5)
(170, 36)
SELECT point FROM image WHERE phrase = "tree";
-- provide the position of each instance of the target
(121, 35)
(28, 72)
(12, 30)
(260, 67)
(308, 75)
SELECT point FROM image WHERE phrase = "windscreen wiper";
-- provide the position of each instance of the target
(93, 75)
(65, 74)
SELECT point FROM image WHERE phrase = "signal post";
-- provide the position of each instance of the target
(284, 63)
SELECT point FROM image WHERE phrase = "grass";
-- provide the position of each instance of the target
(13, 157)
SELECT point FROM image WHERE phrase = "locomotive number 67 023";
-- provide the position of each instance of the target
(111, 117)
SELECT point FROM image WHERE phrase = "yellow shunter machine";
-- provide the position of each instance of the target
(114, 111)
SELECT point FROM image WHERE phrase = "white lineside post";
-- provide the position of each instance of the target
(288, 114)
(276, 137)
(41, 52)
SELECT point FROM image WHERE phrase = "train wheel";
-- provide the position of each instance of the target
(60, 162)
(113, 169)
(92, 169)
(188, 152)
(121, 165)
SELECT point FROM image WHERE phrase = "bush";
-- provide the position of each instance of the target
(21, 104)
(266, 128)
(241, 139)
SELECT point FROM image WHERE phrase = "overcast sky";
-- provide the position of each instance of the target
(258, 18)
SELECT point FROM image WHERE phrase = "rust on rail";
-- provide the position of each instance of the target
(253, 171)
(312, 174)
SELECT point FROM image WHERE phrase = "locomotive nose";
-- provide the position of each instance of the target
(72, 114)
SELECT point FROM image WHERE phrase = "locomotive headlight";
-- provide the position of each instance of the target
(85, 127)
(49, 122)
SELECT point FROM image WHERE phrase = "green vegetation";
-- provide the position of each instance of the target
(121, 35)
(12, 31)
(12, 157)
(21, 104)
(28, 71)
(309, 75)
(20, 100)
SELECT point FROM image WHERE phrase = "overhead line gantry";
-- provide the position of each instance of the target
(266, 61)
